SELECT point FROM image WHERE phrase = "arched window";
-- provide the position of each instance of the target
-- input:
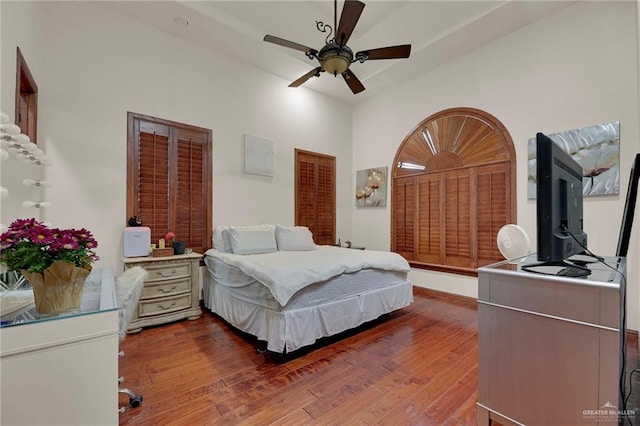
(454, 186)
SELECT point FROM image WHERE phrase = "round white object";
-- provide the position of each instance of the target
(513, 242)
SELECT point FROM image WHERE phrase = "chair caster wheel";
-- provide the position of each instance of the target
(135, 401)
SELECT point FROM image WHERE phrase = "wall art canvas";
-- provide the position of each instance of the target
(258, 155)
(595, 148)
(371, 187)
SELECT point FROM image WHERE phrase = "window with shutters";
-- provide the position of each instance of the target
(454, 186)
(315, 195)
(169, 179)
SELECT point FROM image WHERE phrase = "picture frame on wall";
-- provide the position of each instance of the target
(258, 155)
(595, 148)
(371, 187)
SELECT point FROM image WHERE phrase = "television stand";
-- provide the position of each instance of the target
(549, 346)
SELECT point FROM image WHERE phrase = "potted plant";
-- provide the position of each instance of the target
(56, 262)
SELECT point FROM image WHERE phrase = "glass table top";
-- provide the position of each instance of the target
(17, 307)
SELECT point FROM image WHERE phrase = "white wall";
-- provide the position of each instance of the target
(15, 26)
(573, 69)
(92, 65)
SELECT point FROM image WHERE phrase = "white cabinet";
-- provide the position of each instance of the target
(172, 291)
(63, 370)
(549, 346)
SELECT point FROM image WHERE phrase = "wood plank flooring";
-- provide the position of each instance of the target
(414, 366)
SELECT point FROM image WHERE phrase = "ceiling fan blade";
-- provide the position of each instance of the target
(352, 81)
(391, 52)
(286, 43)
(314, 72)
(351, 12)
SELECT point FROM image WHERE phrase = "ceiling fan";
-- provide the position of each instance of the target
(336, 57)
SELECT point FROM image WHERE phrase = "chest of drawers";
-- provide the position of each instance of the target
(171, 291)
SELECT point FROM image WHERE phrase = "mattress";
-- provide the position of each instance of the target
(248, 289)
(285, 273)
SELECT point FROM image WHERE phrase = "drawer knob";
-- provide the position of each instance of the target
(167, 307)
(168, 275)
(164, 290)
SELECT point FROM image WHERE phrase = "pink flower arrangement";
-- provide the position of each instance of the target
(32, 246)
(170, 236)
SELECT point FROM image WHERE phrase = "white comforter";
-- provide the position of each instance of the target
(286, 272)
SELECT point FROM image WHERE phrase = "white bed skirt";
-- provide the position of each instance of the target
(292, 329)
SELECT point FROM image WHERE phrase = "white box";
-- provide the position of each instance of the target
(137, 241)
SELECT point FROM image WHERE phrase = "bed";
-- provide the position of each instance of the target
(297, 292)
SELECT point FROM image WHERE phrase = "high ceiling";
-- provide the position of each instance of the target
(438, 31)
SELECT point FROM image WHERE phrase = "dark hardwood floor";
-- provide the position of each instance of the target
(414, 366)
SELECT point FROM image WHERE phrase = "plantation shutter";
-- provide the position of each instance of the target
(153, 178)
(430, 218)
(315, 199)
(404, 207)
(191, 201)
(449, 228)
(458, 232)
(305, 202)
(326, 201)
(169, 179)
(493, 210)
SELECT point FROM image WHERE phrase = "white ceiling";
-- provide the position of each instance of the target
(438, 31)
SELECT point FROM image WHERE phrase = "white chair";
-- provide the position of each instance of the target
(128, 288)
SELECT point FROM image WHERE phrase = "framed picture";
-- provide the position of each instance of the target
(258, 155)
(371, 187)
(595, 148)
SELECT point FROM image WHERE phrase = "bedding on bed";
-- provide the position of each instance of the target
(286, 272)
(248, 289)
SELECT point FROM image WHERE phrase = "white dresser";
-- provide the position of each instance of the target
(172, 291)
(63, 369)
(549, 346)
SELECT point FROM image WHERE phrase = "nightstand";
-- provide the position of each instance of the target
(352, 247)
(170, 293)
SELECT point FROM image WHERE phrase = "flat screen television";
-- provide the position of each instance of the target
(559, 203)
(629, 209)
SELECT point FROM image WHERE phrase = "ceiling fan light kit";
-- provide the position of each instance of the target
(336, 57)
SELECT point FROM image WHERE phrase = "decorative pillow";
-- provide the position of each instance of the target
(252, 241)
(294, 238)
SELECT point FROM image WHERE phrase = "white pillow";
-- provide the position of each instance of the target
(294, 238)
(221, 240)
(252, 241)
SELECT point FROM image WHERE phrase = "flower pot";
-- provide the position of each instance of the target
(178, 247)
(58, 288)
